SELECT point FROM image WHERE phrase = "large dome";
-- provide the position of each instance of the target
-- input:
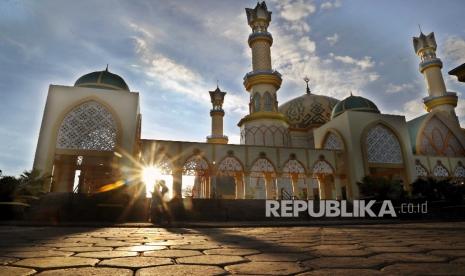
(102, 79)
(355, 103)
(308, 110)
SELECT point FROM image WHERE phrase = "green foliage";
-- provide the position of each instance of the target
(8, 186)
(29, 183)
(380, 188)
(432, 189)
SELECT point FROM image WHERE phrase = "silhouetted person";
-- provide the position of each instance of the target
(159, 209)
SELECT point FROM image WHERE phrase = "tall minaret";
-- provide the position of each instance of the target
(264, 125)
(430, 66)
(217, 114)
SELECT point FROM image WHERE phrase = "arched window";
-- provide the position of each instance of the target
(420, 170)
(89, 126)
(333, 142)
(382, 146)
(322, 167)
(293, 167)
(229, 166)
(262, 166)
(459, 171)
(440, 171)
(256, 102)
(195, 166)
(438, 139)
(268, 102)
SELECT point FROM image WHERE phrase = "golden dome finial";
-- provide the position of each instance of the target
(306, 79)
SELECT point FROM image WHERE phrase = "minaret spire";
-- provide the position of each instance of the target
(217, 114)
(430, 66)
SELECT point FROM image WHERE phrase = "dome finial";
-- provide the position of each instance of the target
(351, 93)
(306, 79)
(106, 69)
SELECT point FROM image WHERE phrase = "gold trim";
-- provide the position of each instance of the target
(217, 140)
(452, 100)
(93, 84)
(262, 79)
(258, 38)
(263, 115)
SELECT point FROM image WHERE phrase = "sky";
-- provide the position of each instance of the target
(174, 52)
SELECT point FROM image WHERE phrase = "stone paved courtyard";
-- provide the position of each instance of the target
(420, 248)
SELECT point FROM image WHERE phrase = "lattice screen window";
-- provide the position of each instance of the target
(195, 166)
(164, 165)
(440, 171)
(229, 166)
(293, 167)
(90, 126)
(260, 167)
(322, 167)
(437, 139)
(420, 170)
(459, 172)
(382, 146)
(333, 142)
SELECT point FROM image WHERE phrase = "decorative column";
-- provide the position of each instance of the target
(217, 114)
(240, 186)
(269, 186)
(309, 184)
(322, 186)
(295, 184)
(177, 183)
(337, 187)
(246, 183)
(430, 66)
(262, 84)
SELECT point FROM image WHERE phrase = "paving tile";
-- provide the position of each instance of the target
(181, 270)
(425, 269)
(341, 253)
(107, 254)
(34, 254)
(231, 251)
(141, 248)
(343, 262)
(85, 249)
(211, 260)
(56, 262)
(199, 246)
(279, 257)
(267, 268)
(88, 271)
(448, 253)
(342, 272)
(17, 271)
(408, 257)
(135, 262)
(7, 260)
(172, 253)
(396, 249)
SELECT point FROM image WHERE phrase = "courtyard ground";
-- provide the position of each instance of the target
(398, 248)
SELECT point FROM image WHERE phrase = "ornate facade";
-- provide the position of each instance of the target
(313, 146)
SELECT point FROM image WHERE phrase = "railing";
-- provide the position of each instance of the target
(287, 196)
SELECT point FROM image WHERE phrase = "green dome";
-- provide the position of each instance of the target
(102, 79)
(355, 103)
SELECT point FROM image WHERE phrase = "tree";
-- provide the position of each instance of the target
(8, 186)
(433, 189)
(31, 183)
(380, 188)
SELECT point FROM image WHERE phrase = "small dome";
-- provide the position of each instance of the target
(308, 110)
(102, 79)
(355, 103)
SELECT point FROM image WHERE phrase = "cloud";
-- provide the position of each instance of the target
(454, 49)
(364, 63)
(330, 5)
(295, 10)
(332, 40)
(396, 88)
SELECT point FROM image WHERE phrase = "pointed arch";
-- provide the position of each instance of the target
(420, 170)
(322, 167)
(333, 141)
(440, 170)
(294, 166)
(268, 101)
(256, 102)
(89, 125)
(436, 138)
(229, 166)
(459, 171)
(196, 165)
(262, 166)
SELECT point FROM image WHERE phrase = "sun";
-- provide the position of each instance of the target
(150, 175)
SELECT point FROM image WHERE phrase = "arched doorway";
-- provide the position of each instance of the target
(294, 174)
(231, 170)
(262, 184)
(196, 178)
(324, 174)
(84, 155)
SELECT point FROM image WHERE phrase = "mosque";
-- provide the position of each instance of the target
(311, 147)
